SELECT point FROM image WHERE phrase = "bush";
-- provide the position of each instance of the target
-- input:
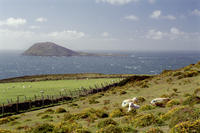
(190, 100)
(187, 127)
(5, 131)
(147, 107)
(122, 92)
(106, 122)
(46, 117)
(154, 130)
(146, 120)
(70, 127)
(7, 119)
(49, 111)
(105, 102)
(110, 129)
(172, 102)
(118, 112)
(44, 128)
(171, 112)
(187, 114)
(93, 100)
(60, 110)
(140, 99)
(196, 91)
(128, 129)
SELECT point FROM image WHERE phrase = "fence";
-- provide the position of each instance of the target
(50, 100)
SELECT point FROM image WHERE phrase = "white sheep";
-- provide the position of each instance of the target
(133, 106)
(126, 102)
(158, 101)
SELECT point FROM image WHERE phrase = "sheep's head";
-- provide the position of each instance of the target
(125, 103)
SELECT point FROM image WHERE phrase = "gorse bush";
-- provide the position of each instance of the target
(110, 129)
(186, 114)
(118, 112)
(146, 107)
(171, 112)
(154, 130)
(106, 122)
(144, 120)
(172, 102)
(60, 110)
(191, 100)
(44, 128)
(187, 127)
(8, 119)
(70, 127)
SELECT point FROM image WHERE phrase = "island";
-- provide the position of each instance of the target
(49, 49)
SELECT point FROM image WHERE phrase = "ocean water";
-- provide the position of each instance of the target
(13, 64)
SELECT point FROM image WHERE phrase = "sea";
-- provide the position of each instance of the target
(14, 64)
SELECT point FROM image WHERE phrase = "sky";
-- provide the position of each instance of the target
(140, 25)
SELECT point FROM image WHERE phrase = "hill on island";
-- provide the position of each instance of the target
(49, 49)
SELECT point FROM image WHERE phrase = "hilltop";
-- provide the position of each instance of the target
(49, 49)
(102, 112)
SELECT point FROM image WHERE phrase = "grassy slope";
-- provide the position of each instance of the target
(163, 84)
(29, 89)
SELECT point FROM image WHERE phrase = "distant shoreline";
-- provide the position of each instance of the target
(47, 77)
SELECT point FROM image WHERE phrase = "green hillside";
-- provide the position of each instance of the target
(102, 112)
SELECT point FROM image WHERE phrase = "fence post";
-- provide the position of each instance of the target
(17, 106)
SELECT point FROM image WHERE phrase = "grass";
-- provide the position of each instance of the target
(10, 91)
(102, 112)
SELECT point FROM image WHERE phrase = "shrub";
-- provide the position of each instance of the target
(172, 102)
(146, 120)
(46, 117)
(5, 131)
(49, 111)
(128, 129)
(118, 112)
(122, 92)
(190, 100)
(187, 127)
(44, 128)
(191, 73)
(60, 110)
(110, 129)
(93, 100)
(69, 117)
(105, 102)
(171, 112)
(140, 99)
(7, 119)
(196, 91)
(187, 114)
(70, 127)
(147, 107)
(104, 123)
(154, 130)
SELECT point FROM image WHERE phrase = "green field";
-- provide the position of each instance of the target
(10, 91)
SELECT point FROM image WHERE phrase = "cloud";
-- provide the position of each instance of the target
(196, 12)
(40, 19)
(156, 14)
(152, 1)
(67, 34)
(105, 34)
(14, 22)
(132, 17)
(155, 35)
(34, 27)
(169, 17)
(16, 39)
(117, 2)
(173, 34)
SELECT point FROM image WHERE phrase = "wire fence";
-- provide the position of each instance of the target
(42, 101)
